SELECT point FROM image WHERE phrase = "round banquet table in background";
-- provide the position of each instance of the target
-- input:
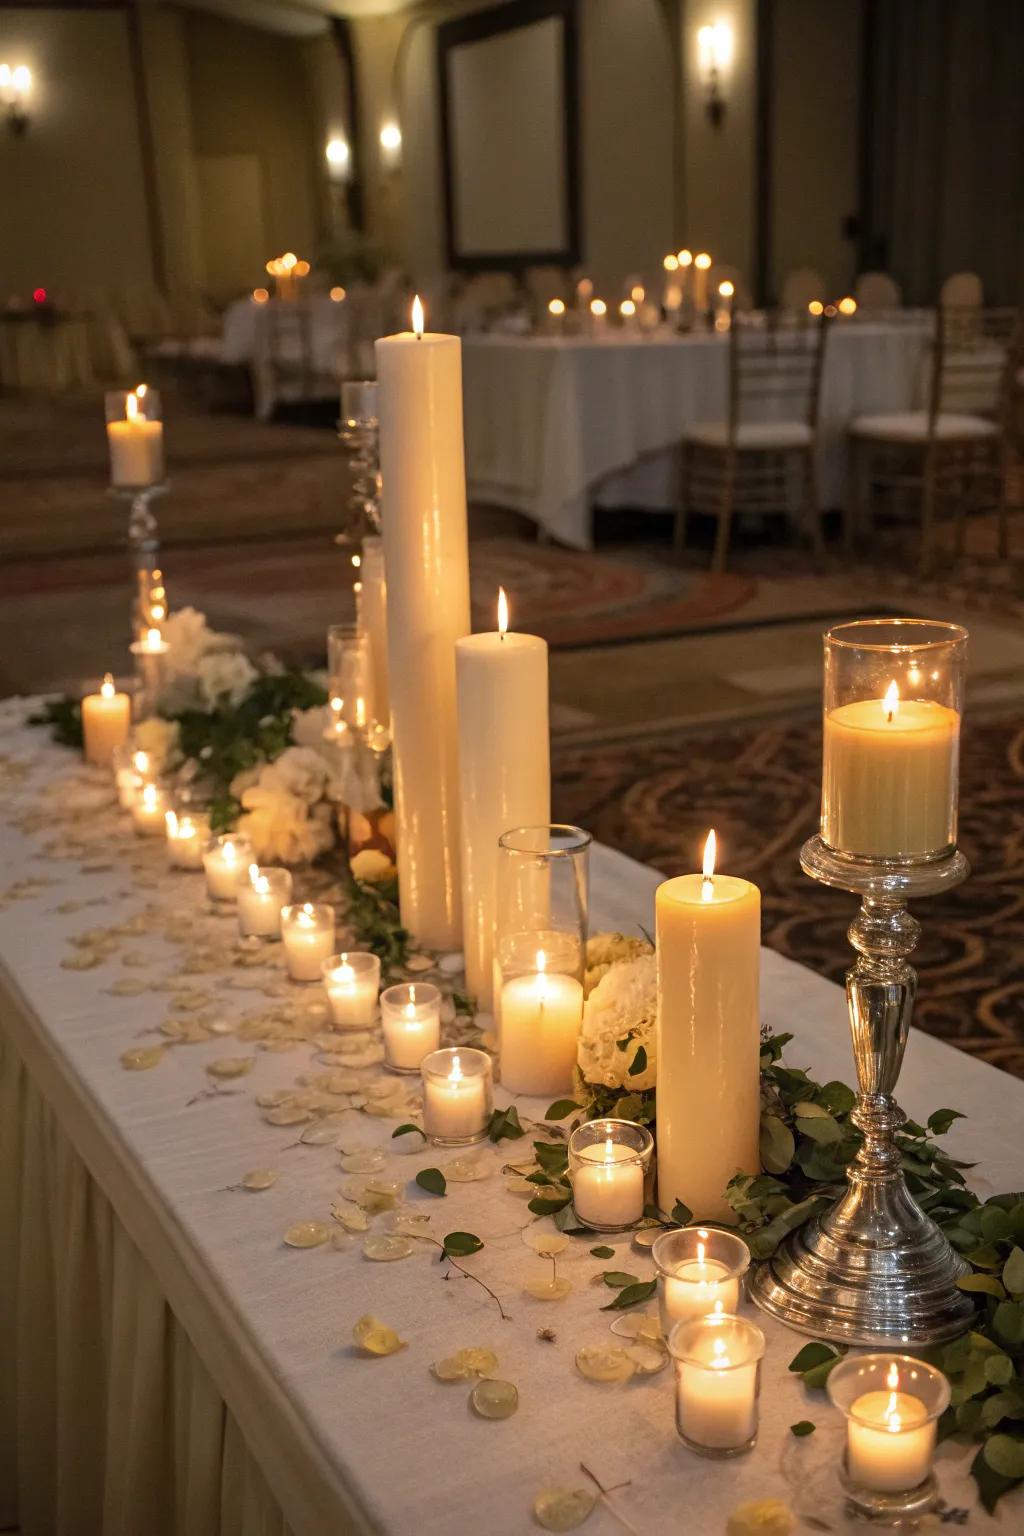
(178, 1371)
(556, 425)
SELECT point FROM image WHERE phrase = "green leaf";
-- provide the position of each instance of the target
(681, 1214)
(603, 1253)
(977, 1285)
(804, 1427)
(632, 1295)
(457, 1245)
(552, 1156)
(403, 1129)
(1013, 1271)
(543, 1205)
(940, 1120)
(836, 1097)
(505, 1123)
(638, 1064)
(617, 1278)
(620, 1045)
(629, 1106)
(822, 1129)
(818, 1376)
(1000, 1406)
(1008, 1322)
(999, 1370)
(1005, 1455)
(991, 1485)
(811, 1355)
(776, 1144)
(566, 1220)
(995, 1224)
(432, 1180)
(561, 1109)
(968, 1417)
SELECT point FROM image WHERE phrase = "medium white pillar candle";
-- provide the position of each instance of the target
(136, 446)
(149, 811)
(539, 1020)
(373, 619)
(456, 1095)
(224, 861)
(890, 776)
(504, 772)
(187, 836)
(608, 1186)
(352, 982)
(308, 935)
(410, 1016)
(106, 721)
(425, 550)
(708, 945)
(260, 899)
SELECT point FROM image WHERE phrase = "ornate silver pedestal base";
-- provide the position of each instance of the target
(874, 1269)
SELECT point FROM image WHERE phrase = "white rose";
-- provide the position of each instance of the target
(603, 949)
(224, 677)
(298, 771)
(281, 828)
(623, 1006)
(308, 726)
(186, 632)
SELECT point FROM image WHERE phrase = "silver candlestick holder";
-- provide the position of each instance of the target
(143, 539)
(874, 1269)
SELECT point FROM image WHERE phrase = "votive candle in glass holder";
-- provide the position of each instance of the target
(700, 1270)
(308, 934)
(226, 857)
(718, 1381)
(352, 982)
(261, 894)
(149, 811)
(410, 1015)
(131, 769)
(891, 1404)
(608, 1167)
(893, 701)
(188, 833)
(457, 1095)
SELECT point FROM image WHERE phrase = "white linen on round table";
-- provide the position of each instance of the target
(344, 1444)
(555, 425)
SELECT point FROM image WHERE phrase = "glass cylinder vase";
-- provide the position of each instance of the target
(540, 955)
(893, 701)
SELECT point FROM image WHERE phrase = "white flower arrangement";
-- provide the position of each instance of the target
(205, 668)
(617, 1045)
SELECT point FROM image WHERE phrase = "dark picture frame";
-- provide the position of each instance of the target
(475, 28)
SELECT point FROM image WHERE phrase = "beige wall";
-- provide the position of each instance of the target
(74, 211)
(719, 185)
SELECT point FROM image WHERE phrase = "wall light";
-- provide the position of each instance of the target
(390, 144)
(714, 55)
(339, 159)
(15, 89)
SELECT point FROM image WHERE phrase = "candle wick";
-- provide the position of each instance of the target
(707, 887)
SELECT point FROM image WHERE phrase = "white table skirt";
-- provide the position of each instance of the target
(179, 1369)
(555, 425)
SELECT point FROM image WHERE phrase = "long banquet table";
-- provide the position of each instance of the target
(177, 1369)
(555, 425)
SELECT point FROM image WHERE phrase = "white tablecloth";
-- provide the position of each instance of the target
(187, 1373)
(552, 422)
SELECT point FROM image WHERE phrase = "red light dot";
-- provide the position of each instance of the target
(39, 294)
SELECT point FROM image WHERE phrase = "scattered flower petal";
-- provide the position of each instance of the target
(761, 1517)
(230, 1066)
(387, 1246)
(307, 1234)
(260, 1178)
(598, 1363)
(495, 1399)
(547, 1289)
(563, 1509)
(375, 1337)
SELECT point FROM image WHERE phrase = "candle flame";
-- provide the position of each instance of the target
(707, 887)
(700, 1253)
(140, 762)
(410, 1012)
(171, 823)
(107, 686)
(131, 406)
(417, 315)
(360, 711)
(456, 1073)
(719, 1358)
(702, 262)
(609, 1150)
(153, 640)
(727, 289)
(306, 918)
(685, 258)
(891, 703)
(345, 974)
(598, 307)
(638, 293)
(149, 794)
(228, 853)
(627, 309)
(502, 612)
(259, 882)
(556, 307)
(671, 263)
(140, 391)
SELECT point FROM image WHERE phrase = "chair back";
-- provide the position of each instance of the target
(284, 339)
(802, 286)
(775, 369)
(976, 357)
(877, 290)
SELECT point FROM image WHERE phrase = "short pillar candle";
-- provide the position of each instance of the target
(226, 857)
(410, 1015)
(135, 437)
(608, 1167)
(308, 935)
(718, 1380)
(261, 893)
(352, 982)
(700, 1271)
(891, 1404)
(106, 722)
(457, 1095)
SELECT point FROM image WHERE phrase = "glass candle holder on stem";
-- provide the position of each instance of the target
(410, 1016)
(150, 655)
(891, 1404)
(893, 702)
(352, 982)
(540, 955)
(718, 1383)
(457, 1095)
(700, 1271)
(609, 1165)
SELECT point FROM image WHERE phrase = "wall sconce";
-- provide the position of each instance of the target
(339, 159)
(714, 55)
(391, 145)
(15, 87)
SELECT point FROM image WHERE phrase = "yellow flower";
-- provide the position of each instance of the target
(371, 865)
(761, 1517)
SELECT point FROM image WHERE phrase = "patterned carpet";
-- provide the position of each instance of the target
(759, 786)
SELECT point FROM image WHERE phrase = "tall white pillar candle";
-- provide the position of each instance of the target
(504, 772)
(425, 551)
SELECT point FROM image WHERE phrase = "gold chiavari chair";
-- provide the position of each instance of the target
(751, 462)
(954, 453)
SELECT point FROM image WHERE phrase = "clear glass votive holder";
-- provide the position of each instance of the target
(149, 810)
(226, 857)
(891, 1403)
(131, 769)
(307, 931)
(261, 893)
(458, 1095)
(700, 1270)
(410, 1015)
(540, 955)
(188, 833)
(348, 682)
(609, 1167)
(893, 701)
(352, 982)
(718, 1383)
(359, 403)
(135, 437)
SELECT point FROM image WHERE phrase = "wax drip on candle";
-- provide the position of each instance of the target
(707, 885)
(502, 613)
(417, 317)
(107, 686)
(891, 703)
